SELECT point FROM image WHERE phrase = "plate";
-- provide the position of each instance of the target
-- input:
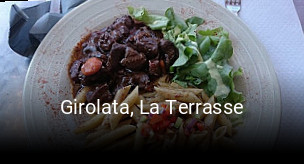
(47, 83)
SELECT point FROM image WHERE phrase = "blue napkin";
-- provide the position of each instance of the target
(28, 26)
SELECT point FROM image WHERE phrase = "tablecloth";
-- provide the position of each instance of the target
(277, 26)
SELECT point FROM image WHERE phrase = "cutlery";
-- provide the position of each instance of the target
(233, 5)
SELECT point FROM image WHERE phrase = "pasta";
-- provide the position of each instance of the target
(90, 124)
(130, 100)
(224, 121)
(211, 129)
(210, 120)
(81, 95)
(182, 96)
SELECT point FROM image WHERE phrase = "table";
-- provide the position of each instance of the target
(276, 24)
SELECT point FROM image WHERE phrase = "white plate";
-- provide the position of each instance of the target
(47, 82)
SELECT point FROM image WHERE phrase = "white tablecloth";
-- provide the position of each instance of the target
(277, 26)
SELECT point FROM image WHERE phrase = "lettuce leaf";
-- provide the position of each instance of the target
(175, 20)
(155, 22)
(195, 20)
(223, 52)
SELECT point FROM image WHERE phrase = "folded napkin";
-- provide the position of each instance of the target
(29, 26)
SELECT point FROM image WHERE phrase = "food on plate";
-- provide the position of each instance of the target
(125, 53)
(144, 58)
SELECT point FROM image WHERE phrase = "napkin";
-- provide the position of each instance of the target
(28, 26)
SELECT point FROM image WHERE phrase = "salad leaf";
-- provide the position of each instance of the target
(155, 22)
(204, 47)
(195, 20)
(210, 32)
(138, 14)
(175, 20)
(235, 96)
(223, 51)
(191, 32)
(183, 57)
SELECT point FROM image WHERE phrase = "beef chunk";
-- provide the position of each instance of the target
(123, 21)
(75, 70)
(146, 42)
(149, 46)
(130, 42)
(169, 52)
(141, 79)
(122, 81)
(158, 35)
(120, 33)
(143, 32)
(90, 45)
(133, 60)
(101, 92)
(116, 54)
(124, 31)
(138, 24)
(88, 48)
(105, 41)
(96, 54)
(154, 68)
(94, 37)
(103, 58)
(101, 76)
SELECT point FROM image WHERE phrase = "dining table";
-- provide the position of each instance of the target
(276, 24)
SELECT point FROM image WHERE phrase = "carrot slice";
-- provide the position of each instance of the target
(91, 66)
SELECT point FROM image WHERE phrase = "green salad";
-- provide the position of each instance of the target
(204, 55)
